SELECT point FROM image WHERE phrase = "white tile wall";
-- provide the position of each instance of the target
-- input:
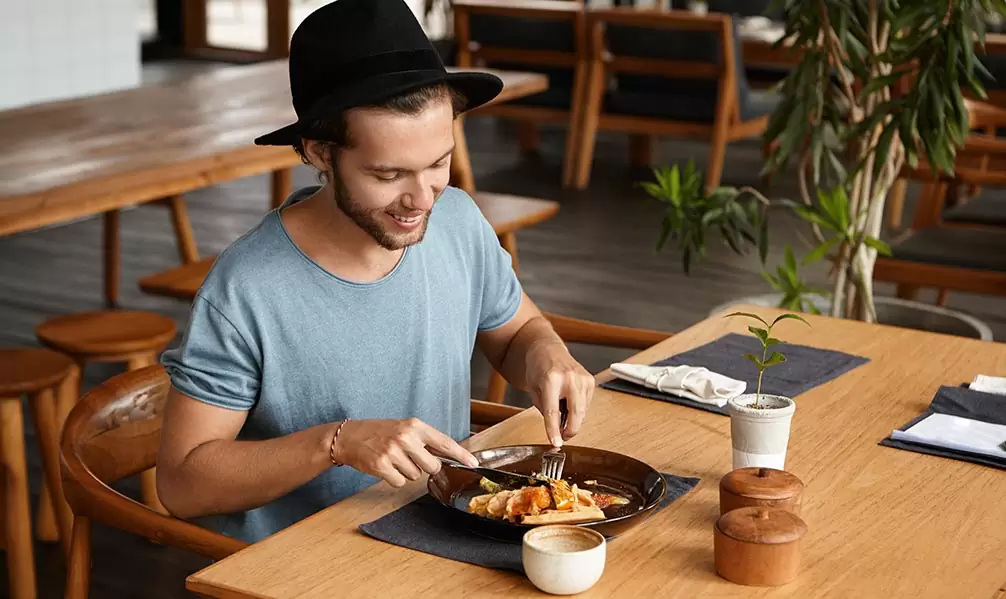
(57, 49)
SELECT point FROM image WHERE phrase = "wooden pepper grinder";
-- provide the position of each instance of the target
(758, 546)
(767, 487)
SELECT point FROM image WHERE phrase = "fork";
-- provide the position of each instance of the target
(553, 460)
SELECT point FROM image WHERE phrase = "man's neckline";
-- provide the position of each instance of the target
(303, 194)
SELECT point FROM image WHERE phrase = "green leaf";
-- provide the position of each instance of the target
(819, 252)
(880, 246)
(762, 334)
(756, 360)
(790, 260)
(748, 315)
(772, 341)
(665, 232)
(775, 358)
(789, 316)
(675, 185)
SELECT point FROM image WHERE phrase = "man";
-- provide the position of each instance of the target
(330, 346)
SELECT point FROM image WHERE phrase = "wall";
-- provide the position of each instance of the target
(56, 49)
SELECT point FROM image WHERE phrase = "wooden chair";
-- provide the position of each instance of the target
(675, 73)
(955, 243)
(577, 331)
(135, 338)
(42, 375)
(114, 433)
(545, 36)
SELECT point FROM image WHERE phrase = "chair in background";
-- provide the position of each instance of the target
(114, 433)
(675, 73)
(543, 36)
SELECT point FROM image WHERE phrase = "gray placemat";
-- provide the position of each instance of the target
(424, 526)
(805, 368)
(966, 403)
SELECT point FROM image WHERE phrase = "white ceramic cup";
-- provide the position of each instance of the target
(563, 559)
(760, 436)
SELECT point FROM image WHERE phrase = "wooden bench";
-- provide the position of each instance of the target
(506, 213)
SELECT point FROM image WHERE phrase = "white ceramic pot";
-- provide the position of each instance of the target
(563, 559)
(760, 436)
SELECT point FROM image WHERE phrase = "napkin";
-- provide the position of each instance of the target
(805, 367)
(989, 384)
(957, 433)
(976, 410)
(697, 383)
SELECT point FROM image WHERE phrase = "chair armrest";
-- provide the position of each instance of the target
(486, 414)
(574, 330)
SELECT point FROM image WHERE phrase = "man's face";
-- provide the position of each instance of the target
(397, 167)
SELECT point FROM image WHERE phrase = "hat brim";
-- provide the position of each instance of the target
(477, 87)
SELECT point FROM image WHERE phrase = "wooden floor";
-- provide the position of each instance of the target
(595, 260)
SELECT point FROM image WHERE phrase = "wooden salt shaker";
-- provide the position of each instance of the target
(753, 487)
(758, 546)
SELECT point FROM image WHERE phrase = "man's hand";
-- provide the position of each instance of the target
(396, 450)
(553, 374)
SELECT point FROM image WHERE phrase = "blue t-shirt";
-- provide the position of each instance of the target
(274, 334)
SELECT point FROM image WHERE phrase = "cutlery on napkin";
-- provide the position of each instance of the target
(693, 382)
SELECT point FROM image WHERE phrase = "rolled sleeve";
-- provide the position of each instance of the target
(214, 363)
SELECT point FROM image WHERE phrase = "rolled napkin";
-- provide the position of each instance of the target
(693, 382)
(960, 434)
(989, 384)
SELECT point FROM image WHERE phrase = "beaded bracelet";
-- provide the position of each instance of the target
(331, 449)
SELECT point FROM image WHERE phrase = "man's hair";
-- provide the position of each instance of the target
(335, 130)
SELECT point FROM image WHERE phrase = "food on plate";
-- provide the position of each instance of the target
(558, 503)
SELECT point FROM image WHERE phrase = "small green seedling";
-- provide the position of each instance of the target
(767, 341)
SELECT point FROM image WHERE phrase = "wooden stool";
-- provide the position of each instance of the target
(136, 338)
(37, 373)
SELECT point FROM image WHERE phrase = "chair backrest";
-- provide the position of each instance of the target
(112, 433)
(547, 36)
(671, 52)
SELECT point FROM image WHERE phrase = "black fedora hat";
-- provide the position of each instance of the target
(357, 52)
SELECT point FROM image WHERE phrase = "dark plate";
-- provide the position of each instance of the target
(613, 473)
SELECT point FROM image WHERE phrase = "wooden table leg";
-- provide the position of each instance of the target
(282, 184)
(188, 251)
(47, 426)
(461, 163)
(20, 554)
(112, 257)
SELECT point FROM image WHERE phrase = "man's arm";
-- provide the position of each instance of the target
(202, 469)
(530, 355)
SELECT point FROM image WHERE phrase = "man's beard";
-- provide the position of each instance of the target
(370, 221)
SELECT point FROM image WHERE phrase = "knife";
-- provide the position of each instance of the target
(509, 480)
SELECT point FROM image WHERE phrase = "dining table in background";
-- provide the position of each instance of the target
(883, 522)
(68, 160)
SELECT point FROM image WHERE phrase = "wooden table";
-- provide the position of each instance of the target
(79, 158)
(883, 522)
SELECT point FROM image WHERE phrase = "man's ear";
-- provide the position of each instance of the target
(318, 154)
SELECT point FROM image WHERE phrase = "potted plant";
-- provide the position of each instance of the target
(760, 424)
(878, 85)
